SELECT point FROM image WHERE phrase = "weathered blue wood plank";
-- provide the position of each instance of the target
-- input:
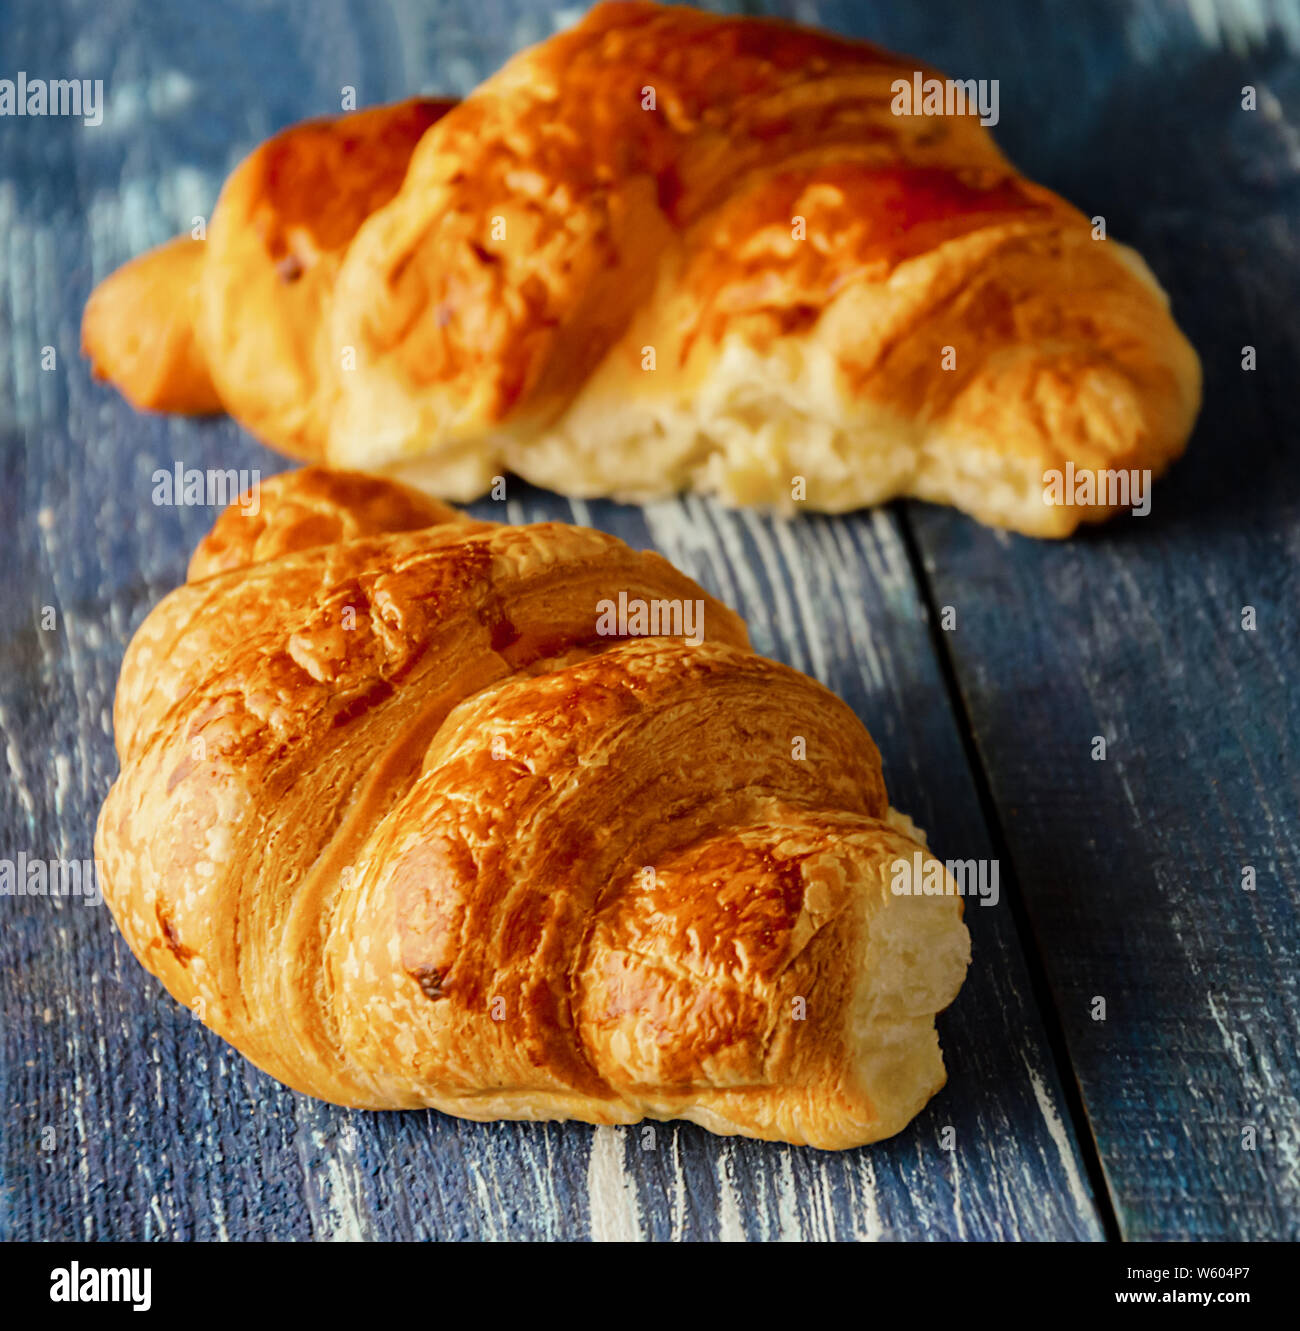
(155, 1128)
(1135, 867)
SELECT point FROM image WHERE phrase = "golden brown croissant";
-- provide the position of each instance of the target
(404, 825)
(671, 250)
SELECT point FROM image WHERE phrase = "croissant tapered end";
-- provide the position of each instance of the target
(139, 331)
(689, 978)
(512, 823)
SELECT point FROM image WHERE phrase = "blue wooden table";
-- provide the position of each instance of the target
(1123, 1057)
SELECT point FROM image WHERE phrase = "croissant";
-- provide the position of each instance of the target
(405, 818)
(669, 250)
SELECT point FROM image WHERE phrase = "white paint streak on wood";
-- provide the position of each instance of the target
(787, 1205)
(345, 1200)
(1263, 1084)
(24, 357)
(8, 367)
(864, 656)
(786, 551)
(332, 1191)
(487, 1212)
(682, 531)
(958, 1209)
(83, 1163)
(219, 1213)
(615, 1213)
(706, 519)
(821, 1208)
(678, 1213)
(134, 105)
(730, 1227)
(544, 1174)
(17, 772)
(1079, 1192)
(1236, 24)
(670, 530)
(866, 1221)
(62, 782)
(766, 598)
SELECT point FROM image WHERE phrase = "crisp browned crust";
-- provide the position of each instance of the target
(595, 190)
(401, 824)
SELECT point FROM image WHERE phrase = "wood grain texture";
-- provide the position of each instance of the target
(155, 1129)
(1132, 867)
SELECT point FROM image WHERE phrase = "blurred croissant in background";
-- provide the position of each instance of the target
(663, 251)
